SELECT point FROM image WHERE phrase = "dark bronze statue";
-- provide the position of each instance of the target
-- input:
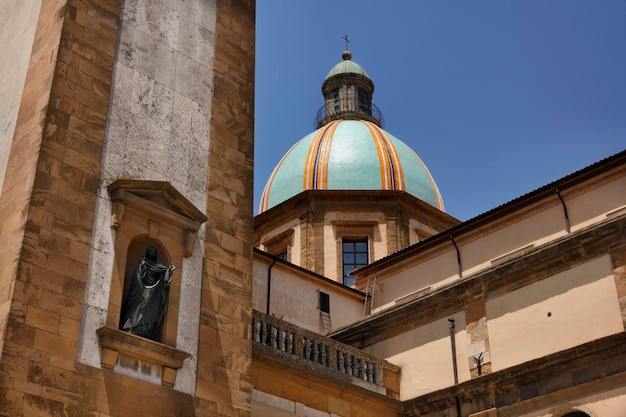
(147, 296)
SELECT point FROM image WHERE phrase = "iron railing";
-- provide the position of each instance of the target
(348, 109)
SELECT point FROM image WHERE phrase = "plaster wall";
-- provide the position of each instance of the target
(544, 224)
(157, 129)
(427, 275)
(18, 21)
(513, 236)
(595, 204)
(294, 297)
(425, 356)
(560, 312)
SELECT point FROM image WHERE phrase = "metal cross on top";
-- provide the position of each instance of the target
(345, 38)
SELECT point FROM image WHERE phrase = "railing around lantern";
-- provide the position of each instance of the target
(289, 342)
(332, 111)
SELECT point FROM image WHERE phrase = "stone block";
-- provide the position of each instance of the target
(54, 344)
(42, 319)
(59, 302)
(67, 266)
(91, 131)
(94, 62)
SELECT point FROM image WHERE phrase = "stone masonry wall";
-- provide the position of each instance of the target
(225, 352)
(52, 184)
(26, 144)
(50, 188)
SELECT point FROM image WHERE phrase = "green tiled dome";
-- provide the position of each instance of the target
(350, 155)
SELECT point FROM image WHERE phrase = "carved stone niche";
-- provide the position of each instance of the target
(148, 213)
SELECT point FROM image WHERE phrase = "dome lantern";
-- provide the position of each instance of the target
(348, 92)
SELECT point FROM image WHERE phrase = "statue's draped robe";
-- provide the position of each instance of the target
(147, 297)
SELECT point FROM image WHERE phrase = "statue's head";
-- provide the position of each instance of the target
(151, 254)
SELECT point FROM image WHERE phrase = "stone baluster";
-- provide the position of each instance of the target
(263, 332)
(324, 355)
(280, 340)
(339, 361)
(359, 370)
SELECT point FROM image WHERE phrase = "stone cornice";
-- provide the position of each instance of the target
(347, 200)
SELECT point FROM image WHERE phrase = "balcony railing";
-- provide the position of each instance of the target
(303, 347)
(349, 109)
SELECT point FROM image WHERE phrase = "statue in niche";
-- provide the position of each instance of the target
(146, 303)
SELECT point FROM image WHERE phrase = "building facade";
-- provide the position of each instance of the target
(127, 146)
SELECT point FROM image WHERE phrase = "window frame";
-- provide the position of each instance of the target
(354, 241)
(351, 229)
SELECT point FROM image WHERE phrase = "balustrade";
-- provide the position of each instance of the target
(302, 344)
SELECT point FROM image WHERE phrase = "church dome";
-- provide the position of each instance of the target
(350, 155)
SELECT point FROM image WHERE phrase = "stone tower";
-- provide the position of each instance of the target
(127, 124)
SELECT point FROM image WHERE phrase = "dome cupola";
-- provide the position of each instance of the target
(350, 150)
(348, 91)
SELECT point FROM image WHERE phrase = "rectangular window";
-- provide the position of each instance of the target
(324, 302)
(354, 255)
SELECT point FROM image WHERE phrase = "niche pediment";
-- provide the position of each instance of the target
(158, 200)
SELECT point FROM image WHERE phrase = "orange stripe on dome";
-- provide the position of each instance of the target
(398, 173)
(318, 148)
(382, 160)
(391, 174)
(309, 164)
(432, 182)
(265, 197)
(324, 155)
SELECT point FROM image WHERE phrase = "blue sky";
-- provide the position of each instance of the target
(497, 98)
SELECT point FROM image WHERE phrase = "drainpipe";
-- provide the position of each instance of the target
(458, 255)
(454, 366)
(269, 285)
(567, 229)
